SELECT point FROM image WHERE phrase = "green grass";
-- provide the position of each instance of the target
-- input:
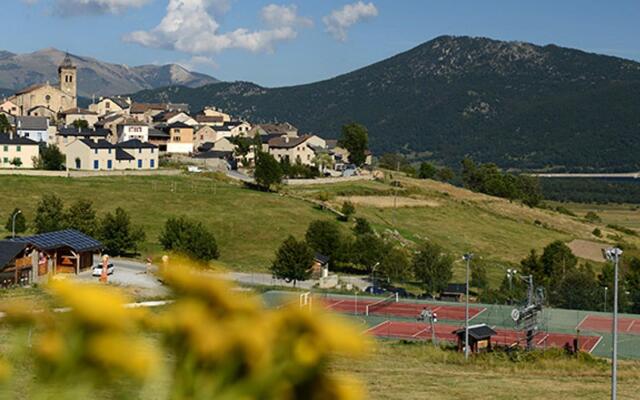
(408, 371)
(250, 225)
(627, 215)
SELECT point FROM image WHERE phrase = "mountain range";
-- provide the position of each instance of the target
(95, 77)
(519, 105)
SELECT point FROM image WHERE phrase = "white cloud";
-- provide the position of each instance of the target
(190, 26)
(339, 21)
(81, 7)
(275, 15)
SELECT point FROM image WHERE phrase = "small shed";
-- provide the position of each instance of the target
(320, 267)
(479, 337)
(15, 264)
(67, 251)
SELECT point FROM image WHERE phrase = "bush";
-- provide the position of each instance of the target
(348, 209)
(190, 238)
(623, 229)
(592, 217)
(597, 232)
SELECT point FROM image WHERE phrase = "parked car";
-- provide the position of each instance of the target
(374, 290)
(97, 270)
(193, 168)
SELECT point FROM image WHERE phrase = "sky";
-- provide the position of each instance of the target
(299, 41)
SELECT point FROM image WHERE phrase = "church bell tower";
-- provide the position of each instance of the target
(68, 74)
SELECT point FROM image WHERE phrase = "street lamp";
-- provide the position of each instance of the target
(373, 276)
(605, 298)
(510, 274)
(13, 223)
(467, 257)
(613, 254)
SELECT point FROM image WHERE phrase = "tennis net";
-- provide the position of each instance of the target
(393, 298)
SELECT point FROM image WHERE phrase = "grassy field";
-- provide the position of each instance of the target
(397, 370)
(627, 215)
(250, 225)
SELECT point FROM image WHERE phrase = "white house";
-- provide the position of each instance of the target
(34, 128)
(133, 130)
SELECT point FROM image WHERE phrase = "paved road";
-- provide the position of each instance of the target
(132, 273)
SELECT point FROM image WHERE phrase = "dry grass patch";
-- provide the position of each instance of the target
(588, 250)
(387, 201)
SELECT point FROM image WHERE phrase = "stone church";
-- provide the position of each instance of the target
(56, 98)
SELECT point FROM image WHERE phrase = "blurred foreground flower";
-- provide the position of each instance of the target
(212, 342)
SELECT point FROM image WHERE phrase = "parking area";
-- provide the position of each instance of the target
(130, 274)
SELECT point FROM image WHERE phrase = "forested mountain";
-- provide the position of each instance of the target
(516, 104)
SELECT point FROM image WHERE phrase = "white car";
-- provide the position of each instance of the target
(97, 270)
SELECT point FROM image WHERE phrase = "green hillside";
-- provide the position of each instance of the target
(516, 104)
(250, 225)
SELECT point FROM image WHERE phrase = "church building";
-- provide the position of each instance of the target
(57, 98)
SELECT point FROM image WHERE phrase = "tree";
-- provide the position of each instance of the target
(80, 124)
(5, 125)
(16, 162)
(531, 265)
(355, 139)
(558, 259)
(323, 236)
(189, 237)
(323, 161)
(293, 261)
(49, 214)
(82, 217)
(427, 171)
(479, 277)
(268, 171)
(432, 268)
(578, 290)
(348, 209)
(51, 158)
(395, 265)
(362, 227)
(367, 251)
(21, 221)
(445, 174)
(118, 235)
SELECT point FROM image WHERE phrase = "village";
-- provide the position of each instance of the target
(117, 134)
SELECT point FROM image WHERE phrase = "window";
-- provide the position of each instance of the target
(176, 138)
(152, 149)
(78, 163)
(5, 160)
(6, 148)
(95, 151)
(152, 163)
(47, 98)
(96, 164)
(109, 151)
(139, 163)
(18, 148)
(107, 105)
(109, 163)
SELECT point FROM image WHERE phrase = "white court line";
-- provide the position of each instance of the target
(582, 322)
(595, 345)
(481, 311)
(633, 321)
(335, 304)
(377, 326)
(419, 332)
(543, 339)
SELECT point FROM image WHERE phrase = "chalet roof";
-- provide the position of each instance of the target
(281, 128)
(84, 132)
(135, 144)
(157, 133)
(77, 241)
(100, 144)
(166, 116)
(477, 332)
(29, 123)
(204, 119)
(120, 101)
(179, 124)
(17, 140)
(122, 155)
(285, 142)
(9, 250)
(321, 258)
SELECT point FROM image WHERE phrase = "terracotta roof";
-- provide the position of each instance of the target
(31, 88)
(206, 119)
(282, 128)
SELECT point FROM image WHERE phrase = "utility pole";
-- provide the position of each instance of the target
(467, 257)
(614, 254)
(13, 223)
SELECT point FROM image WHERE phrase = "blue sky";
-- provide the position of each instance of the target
(285, 43)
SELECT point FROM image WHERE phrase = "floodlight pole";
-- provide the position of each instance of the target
(615, 254)
(605, 298)
(467, 257)
(13, 223)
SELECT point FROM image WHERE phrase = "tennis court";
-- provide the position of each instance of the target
(400, 309)
(603, 323)
(504, 337)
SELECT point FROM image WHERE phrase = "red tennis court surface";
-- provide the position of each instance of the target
(505, 337)
(399, 309)
(598, 323)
